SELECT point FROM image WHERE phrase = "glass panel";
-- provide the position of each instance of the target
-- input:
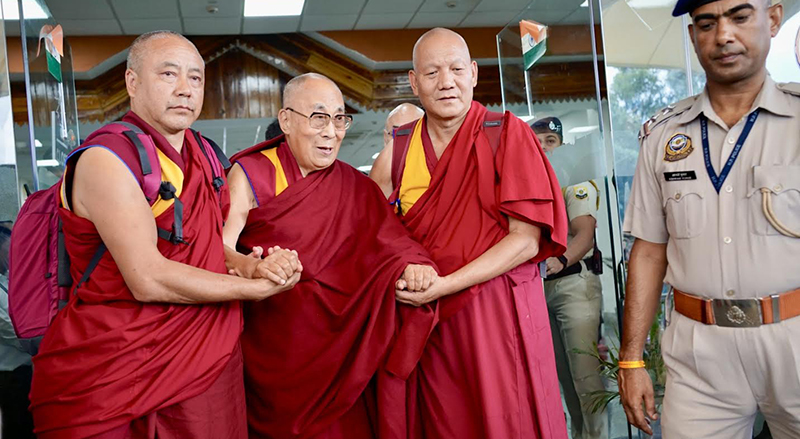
(15, 364)
(643, 78)
(783, 61)
(565, 83)
(50, 86)
(9, 195)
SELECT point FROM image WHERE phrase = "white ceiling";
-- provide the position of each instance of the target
(190, 17)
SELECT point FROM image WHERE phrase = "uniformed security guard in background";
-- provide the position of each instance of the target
(715, 209)
(574, 298)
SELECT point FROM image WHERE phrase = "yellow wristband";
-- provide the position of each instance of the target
(631, 364)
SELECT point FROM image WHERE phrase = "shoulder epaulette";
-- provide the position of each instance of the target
(666, 114)
(792, 88)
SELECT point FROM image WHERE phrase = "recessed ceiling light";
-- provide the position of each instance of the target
(30, 8)
(273, 8)
(584, 129)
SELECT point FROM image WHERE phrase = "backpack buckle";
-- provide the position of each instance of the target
(218, 182)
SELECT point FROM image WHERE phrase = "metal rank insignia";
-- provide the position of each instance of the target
(678, 148)
(581, 193)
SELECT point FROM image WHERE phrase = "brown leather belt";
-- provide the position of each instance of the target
(739, 313)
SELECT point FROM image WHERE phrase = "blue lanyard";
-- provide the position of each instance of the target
(718, 180)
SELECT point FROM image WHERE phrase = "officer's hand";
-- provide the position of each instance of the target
(635, 391)
(554, 266)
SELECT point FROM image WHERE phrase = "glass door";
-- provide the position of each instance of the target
(550, 59)
(50, 87)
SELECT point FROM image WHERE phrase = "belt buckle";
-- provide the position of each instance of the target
(737, 313)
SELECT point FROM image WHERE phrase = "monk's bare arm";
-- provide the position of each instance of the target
(648, 266)
(381, 172)
(520, 245)
(105, 193)
(242, 200)
(280, 265)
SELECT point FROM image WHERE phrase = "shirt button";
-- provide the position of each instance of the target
(778, 188)
(731, 140)
(728, 188)
(730, 293)
(678, 196)
(727, 240)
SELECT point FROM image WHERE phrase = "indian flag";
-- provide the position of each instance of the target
(534, 41)
(53, 38)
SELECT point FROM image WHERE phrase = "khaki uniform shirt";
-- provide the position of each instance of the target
(721, 245)
(581, 199)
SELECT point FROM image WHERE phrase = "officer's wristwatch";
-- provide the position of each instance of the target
(563, 259)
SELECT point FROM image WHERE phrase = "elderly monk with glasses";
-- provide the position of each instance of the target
(309, 360)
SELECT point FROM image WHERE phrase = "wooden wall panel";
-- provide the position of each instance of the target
(241, 84)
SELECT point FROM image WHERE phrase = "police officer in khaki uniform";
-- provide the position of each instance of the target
(715, 209)
(574, 299)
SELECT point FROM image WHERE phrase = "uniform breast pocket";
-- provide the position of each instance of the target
(774, 200)
(685, 208)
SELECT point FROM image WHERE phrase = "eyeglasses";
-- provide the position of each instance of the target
(319, 121)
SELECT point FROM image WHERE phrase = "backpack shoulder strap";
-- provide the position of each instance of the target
(493, 127)
(223, 159)
(145, 149)
(216, 158)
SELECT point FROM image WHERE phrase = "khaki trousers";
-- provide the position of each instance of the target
(717, 378)
(574, 304)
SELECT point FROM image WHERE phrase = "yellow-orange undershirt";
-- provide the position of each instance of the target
(281, 183)
(416, 176)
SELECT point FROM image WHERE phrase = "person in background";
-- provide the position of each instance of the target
(381, 172)
(574, 298)
(273, 130)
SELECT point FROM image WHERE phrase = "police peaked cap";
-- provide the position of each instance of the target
(687, 6)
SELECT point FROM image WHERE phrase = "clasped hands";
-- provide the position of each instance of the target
(281, 267)
(420, 284)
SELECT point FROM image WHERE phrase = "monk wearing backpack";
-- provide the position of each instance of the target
(148, 345)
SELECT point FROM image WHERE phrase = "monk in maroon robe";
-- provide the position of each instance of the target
(310, 355)
(487, 214)
(148, 346)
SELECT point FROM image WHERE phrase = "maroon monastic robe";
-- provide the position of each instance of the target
(488, 371)
(109, 361)
(310, 353)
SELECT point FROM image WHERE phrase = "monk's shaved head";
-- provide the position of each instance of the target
(139, 47)
(444, 74)
(403, 114)
(296, 84)
(436, 37)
